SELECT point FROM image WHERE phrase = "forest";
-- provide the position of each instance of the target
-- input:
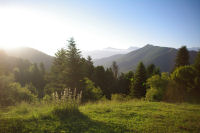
(24, 81)
(73, 83)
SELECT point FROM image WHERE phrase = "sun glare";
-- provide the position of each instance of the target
(26, 27)
(21, 26)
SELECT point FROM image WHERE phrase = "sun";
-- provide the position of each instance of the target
(22, 26)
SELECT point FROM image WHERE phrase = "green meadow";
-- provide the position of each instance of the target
(102, 117)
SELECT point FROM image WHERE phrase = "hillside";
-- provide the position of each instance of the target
(162, 57)
(194, 48)
(33, 55)
(8, 63)
(106, 52)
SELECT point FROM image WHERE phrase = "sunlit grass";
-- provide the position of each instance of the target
(104, 116)
(142, 116)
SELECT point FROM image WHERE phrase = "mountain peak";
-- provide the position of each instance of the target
(111, 48)
(149, 45)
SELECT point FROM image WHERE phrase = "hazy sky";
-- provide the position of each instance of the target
(96, 24)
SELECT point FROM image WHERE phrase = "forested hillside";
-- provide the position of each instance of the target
(33, 55)
(163, 57)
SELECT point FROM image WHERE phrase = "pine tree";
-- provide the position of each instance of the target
(182, 57)
(115, 69)
(197, 62)
(74, 65)
(197, 68)
(57, 76)
(87, 67)
(152, 70)
(90, 67)
(138, 88)
(124, 82)
(58, 71)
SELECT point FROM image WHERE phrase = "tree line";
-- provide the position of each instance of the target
(21, 80)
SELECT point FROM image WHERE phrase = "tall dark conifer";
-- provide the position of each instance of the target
(182, 57)
(197, 62)
(73, 65)
(115, 69)
(89, 67)
(138, 88)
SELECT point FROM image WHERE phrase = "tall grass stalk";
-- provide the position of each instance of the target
(68, 102)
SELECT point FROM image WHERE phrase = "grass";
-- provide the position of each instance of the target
(102, 117)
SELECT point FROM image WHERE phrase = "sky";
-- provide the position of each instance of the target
(46, 25)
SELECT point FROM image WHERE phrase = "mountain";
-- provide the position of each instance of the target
(33, 55)
(106, 52)
(162, 57)
(127, 59)
(194, 48)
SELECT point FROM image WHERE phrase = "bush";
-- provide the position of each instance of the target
(12, 92)
(5, 96)
(47, 99)
(152, 95)
(184, 85)
(158, 85)
(90, 92)
(31, 88)
(184, 76)
(22, 93)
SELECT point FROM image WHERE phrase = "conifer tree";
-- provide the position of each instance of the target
(182, 57)
(57, 77)
(138, 88)
(115, 69)
(152, 70)
(197, 68)
(74, 64)
(197, 62)
(88, 67)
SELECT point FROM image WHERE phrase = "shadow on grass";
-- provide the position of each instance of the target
(59, 122)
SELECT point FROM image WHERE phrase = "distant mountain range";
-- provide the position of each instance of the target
(33, 55)
(106, 52)
(162, 57)
(127, 59)
(194, 48)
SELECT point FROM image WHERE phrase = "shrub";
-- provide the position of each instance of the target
(152, 95)
(21, 93)
(184, 85)
(90, 92)
(158, 85)
(47, 99)
(5, 94)
(31, 88)
(184, 76)
(12, 93)
(96, 93)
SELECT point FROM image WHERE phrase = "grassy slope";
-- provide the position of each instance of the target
(108, 117)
